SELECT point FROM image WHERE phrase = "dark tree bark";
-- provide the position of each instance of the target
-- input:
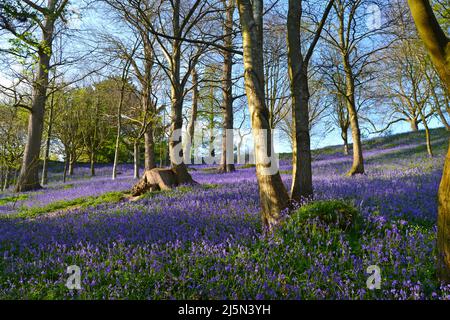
(302, 187)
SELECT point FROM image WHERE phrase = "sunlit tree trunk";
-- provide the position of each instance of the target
(414, 125)
(191, 127)
(5, 184)
(273, 195)
(344, 135)
(44, 178)
(29, 172)
(147, 105)
(136, 159)
(71, 163)
(438, 46)
(93, 151)
(443, 119)
(358, 161)
(119, 117)
(427, 133)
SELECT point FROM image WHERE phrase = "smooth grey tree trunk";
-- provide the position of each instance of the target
(227, 104)
(136, 159)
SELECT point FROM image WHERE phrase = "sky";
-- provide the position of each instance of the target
(94, 19)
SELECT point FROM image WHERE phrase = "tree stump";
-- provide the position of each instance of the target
(154, 180)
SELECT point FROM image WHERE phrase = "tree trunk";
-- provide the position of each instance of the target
(443, 223)
(47, 143)
(66, 165)
(119, 118)
(136, 160)
(71, 164)
(427, 134)
(188, 153)
(272, 193)
(227, 156)
(438, 46)
(29, 172)
(414, 125)
(6, 181)
(344, 136)
(358, 161)
(434, 38)
(175, 139)
(443, 119)
(298, 74)
(149, 158)
(92, 159)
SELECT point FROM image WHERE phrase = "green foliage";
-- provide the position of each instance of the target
(15, 198)
(332, 212)
(82, 202)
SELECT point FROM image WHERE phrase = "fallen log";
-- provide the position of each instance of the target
(154, 180)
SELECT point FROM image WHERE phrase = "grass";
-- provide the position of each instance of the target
(82, 202)
(15, 198)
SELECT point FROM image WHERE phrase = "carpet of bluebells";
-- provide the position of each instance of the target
(206, 242)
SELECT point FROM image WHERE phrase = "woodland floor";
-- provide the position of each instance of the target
(205, 242)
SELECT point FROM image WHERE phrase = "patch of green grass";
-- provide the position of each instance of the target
(335, 212)
(83, 202)
(19, 197)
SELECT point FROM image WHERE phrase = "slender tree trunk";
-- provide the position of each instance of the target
(344, 136)
(47, 143)
(438, 46)
(175, 139)
(301, 187)
(92, 159)
(427, 134)
(358, 161)
(95, 142)
(119, 118)
(227, 156)
(149, 143)
(272, 193)
(6, 181)
(147, 105)
(71, 164)
(149, 158)
(443, 119)
(66, 166)
(116, 148)
(29, 172)
(188, 152)
(136, 159)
